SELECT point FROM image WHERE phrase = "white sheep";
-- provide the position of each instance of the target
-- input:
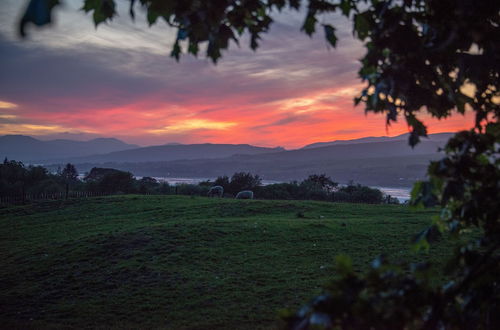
(245, 194)
(216, 191)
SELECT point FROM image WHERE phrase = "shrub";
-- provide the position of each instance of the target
(222, 181)
(108, 180)
(276, 191)
(243, 181)
(191, 189)
(359, 194)
(147, 185)
(47, 186)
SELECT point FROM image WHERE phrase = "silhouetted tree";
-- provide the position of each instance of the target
(359, 194)
(321, 181)
(16, 179)
(109, 180)
(12, 177)
(243, 181)
(222, 181)
(147, 184)
(69, 175)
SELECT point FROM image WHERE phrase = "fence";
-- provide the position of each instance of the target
(26, 198)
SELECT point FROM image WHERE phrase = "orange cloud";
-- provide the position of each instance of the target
(322, 115)
(193, 124)
(7, 105)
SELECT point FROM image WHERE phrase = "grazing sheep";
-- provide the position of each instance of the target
(216, 191)
(245, 194)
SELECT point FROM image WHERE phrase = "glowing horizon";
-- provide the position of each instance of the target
(74, 82)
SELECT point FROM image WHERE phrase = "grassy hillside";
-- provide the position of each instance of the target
(181, 262)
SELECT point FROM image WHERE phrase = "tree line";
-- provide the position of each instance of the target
(32, 182)
(19, 179)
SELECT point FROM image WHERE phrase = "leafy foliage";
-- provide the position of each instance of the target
(109, 180)
(323, 188)
(146, 184)
(222, 181)
(17, 179)
(321, 182)
(389, 295)
(38, 12)
(359, 194)
(243, 181)
(440, 56)
(239, 181)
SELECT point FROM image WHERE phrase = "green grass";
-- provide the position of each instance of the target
(181, 262)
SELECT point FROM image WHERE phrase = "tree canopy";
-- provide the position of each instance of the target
(440, 57)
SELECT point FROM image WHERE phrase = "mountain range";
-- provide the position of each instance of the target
(389, 164)
(28, 149)
(31, 150)
(403, 137)
(382, 161)
(171, 152)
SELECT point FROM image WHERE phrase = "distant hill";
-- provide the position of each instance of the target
(28, 149)
(171, 152)
(403, 137)
(378, 161)
(389, 163)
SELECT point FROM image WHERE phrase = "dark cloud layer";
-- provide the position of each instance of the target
(41, 76)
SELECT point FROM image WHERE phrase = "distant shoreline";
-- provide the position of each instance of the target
(401, 193)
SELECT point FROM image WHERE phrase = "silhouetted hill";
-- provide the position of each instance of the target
(358, 151)
(390, 163)
(28, 149)
(403, 137)
(176, 152)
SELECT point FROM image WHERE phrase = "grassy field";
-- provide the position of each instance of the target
(181, 262)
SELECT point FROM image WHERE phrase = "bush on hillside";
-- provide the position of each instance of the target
(243, 181)
(146, 185)
(358, 194)
(279, 191)
(191, 189)
(108, 180)
(222, 181)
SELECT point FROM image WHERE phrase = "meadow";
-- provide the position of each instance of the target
(186, 262)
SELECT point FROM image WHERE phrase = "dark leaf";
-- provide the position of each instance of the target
(309, 26)
(330, 34)
(38, 12)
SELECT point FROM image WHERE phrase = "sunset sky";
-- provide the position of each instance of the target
(74, 81)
